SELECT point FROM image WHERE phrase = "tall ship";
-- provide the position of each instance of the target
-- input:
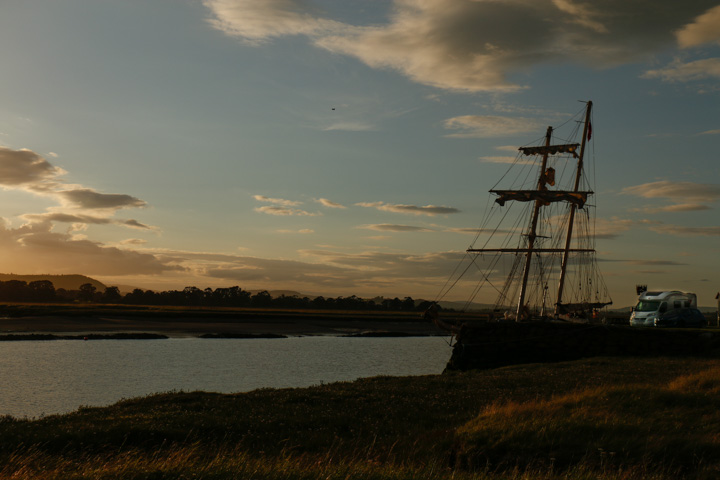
(535, 248)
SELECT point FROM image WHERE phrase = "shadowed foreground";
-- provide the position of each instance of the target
(595, 418)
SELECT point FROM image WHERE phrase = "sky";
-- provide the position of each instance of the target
(338, 148)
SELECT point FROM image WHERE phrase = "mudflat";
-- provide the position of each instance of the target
(184, 325)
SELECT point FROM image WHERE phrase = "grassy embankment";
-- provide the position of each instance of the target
(604, 418)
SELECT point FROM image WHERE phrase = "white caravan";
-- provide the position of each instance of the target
(652, 304)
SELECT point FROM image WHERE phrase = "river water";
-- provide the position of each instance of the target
(39, 378)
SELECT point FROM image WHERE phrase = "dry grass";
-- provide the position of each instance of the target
(590, 419)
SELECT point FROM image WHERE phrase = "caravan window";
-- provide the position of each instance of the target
(677, 304)
(647, 306)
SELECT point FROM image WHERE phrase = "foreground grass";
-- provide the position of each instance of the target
(596, 418)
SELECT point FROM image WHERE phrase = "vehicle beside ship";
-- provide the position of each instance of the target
(682, 317)
(661, 308)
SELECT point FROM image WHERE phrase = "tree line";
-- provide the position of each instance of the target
(43, 291)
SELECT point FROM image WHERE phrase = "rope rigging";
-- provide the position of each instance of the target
(553, 237)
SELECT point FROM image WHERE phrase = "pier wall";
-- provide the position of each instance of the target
(492, 345)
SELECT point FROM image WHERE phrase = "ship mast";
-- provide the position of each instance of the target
(533, 228)
(542, 196)
(573, 208)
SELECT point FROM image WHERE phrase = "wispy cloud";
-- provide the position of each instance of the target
(710, 132)
(610, 228)
(654, 262)
(689, 196)
(257, 22)
(83, 219)
(680, 71)
(133, 241)
(90, 199)
(328, 203)
(350, 127)
(332, 270)
(429, 210)
(477, 231)
(388, 227)
(523, 161)
(281, 207)
(683, 231)
(479, 46)
(283, 211)
(276, 201)
(680, 207)
(702, 30)
(485, 126)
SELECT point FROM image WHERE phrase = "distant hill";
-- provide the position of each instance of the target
(68, 282)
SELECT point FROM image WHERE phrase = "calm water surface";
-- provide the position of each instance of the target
(47, 377)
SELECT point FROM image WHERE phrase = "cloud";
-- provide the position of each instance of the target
(26, 168)
(681, 207)
(583, 15)
(498, 159)
(133, 241)
(135, 224)
(265, 271)
(281, 207)
(711, 132)
(90, 199)
(429, 210)
(704, 29)
(257, 22)
(387, 227)
(516, 158)
(82, 220)
(485, 126)
(654, 262)
(34, 248)
(682, 231)
(612, 227)
(476, 46)
(688, 194)
(327, 203)
(350, 127)
(284, 211)
(276, 201)
(468, 231)
(511, 160)
(675, 190)
(686, 72)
